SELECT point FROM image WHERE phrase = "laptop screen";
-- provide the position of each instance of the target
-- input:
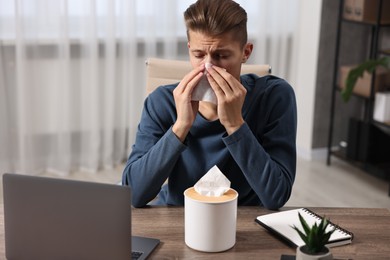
(48, 218)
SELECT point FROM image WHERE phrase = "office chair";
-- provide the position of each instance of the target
(162, 72)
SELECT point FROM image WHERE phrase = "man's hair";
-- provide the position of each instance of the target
(217, 17)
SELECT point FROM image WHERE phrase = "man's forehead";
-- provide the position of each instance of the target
(200, 41)
(201, 48)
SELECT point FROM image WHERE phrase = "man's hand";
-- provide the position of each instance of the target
(186, 109)
(231, 96)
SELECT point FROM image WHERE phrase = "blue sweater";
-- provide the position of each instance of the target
(259, 159)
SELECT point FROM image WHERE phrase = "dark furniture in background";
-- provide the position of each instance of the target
(366, 142)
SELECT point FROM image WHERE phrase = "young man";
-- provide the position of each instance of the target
(249, 134)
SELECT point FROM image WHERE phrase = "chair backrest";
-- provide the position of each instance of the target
(162, 72)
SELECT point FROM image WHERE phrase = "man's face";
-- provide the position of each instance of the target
(223, 51)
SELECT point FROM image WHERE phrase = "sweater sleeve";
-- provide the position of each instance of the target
(268, 157)
(154, 153)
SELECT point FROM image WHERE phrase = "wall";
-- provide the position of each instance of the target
(305, 55)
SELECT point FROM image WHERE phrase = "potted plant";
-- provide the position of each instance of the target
(315, 239)
(357, 72)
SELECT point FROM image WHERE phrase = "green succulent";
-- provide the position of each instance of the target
(315, 237)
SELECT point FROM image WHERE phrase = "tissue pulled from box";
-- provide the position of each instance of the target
(203, 91)
(213, 184)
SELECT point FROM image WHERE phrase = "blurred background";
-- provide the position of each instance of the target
(72, 73)
(72, 86)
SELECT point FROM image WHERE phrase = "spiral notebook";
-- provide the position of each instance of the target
(281, 223)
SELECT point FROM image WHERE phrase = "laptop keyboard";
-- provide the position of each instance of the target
(135, 255)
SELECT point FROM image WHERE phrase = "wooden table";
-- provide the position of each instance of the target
(371, 228)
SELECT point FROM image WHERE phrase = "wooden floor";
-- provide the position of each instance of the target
(338, 185)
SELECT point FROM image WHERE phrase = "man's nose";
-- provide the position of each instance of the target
(209, 59)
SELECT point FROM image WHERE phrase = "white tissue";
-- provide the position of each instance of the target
(203, 91)
(213, 183)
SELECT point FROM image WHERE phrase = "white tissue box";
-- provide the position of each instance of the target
(382, 107)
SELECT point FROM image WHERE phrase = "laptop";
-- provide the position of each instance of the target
(49, 218)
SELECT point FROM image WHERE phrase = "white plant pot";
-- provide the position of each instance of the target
(302, 255)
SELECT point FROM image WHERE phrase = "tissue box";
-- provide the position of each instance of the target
(366, 10)
(382, 107)
(363, 84)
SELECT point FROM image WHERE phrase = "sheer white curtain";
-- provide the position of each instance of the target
(72, 73)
